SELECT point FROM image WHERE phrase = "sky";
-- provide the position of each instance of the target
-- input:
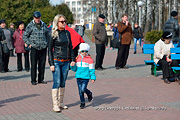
(56, 2)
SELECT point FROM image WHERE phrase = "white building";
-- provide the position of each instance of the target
(86, 9)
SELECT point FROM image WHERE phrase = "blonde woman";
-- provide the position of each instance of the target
(60, 56)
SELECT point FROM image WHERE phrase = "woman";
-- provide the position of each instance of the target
(162, 56)
(138, 35)
(60, 55)
(19, 47)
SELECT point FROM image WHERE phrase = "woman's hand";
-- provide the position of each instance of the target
(72, 63)
(52, 68)
(169, 60)
(92, 81)
(25, 45)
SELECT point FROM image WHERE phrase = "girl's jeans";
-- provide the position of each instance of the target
(82, 86)
(60, 74)
(135, 43)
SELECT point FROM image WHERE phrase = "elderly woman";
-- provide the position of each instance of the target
(60, 55)
(162, 56)
(19, 47)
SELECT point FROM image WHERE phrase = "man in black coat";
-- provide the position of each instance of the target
(171, 25)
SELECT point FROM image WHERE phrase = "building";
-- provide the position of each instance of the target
(86, 9)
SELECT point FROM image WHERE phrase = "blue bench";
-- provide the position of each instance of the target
(149, 49)
(175, 56)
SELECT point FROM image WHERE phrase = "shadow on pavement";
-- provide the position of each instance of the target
(98, 100)
(13, 77)
(16, 99)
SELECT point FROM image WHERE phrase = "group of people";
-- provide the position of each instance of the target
(67, 50)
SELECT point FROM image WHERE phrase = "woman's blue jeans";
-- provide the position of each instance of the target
(135, 43)
(82, 86)
(60, 74)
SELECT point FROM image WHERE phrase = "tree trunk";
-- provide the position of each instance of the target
(160, 14)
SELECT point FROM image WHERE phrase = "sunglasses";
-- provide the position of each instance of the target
(63, 21)
(84, 51)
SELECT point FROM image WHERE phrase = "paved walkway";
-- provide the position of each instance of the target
(131, 94)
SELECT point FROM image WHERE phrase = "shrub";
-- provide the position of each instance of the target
(153, 36)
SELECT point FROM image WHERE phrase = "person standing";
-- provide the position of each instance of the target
(109, 29)
(100, 35)
(9, 41)
(11, 29)
(138, 35)
(171, 25)
(2, 38)
(61, 55)
(126, 33)
(36, 37)
(19, 47)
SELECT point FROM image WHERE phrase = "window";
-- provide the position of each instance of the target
(73, 9)
(68, 4)
(79, 3)
(73, 3)
(79, 9)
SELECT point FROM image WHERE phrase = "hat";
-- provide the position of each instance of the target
(19, 23)
(11, 24)
(2, 21)
(167, 35)
(37, 14)
(102, 16)
(174, 13)
(84, 46)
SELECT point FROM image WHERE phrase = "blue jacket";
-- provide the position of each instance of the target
(116, 33)
(84, 68)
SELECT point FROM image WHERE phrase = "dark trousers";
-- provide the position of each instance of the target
(100, 51)
(38, 57)
(165, 68)
(109, 41)
(122, 56)
(5, 61)
(19, 61)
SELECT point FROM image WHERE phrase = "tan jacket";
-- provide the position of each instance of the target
(99, 33)
(109, 31)
(161, 49)
(126, 33)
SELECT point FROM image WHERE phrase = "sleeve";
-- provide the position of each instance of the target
(96, 32)
(50, 51)
(14, 38)
(71, 47)
(176, 28)
(141, 33)
(73, 68)
(92, 70)
(3, 36)
(26, 35)
(158, 51)
(121, 28)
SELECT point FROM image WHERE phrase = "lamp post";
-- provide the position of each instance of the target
(140, 3)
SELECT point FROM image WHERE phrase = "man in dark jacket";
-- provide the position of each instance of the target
(2, 38)
(9, 42)
(126, 32)
(11, 29)
(100, 35)
(171, 25)
(36, 37)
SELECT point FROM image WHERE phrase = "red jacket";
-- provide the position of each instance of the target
(75, 37)
(18, 41)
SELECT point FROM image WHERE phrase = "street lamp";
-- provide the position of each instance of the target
(140, 3)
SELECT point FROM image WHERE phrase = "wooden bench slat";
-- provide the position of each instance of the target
(175, 50)
(175, 56)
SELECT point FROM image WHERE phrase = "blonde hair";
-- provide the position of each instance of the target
(55, 25)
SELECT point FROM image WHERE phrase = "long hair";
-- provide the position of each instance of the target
(55, 25)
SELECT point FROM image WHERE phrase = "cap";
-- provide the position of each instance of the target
(37, 14)
(102, 16)
(2, 21)
(11, 24)
(174, 13)
(167, 35)
(84, 46)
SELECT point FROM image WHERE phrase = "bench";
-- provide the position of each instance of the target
(149, 49)
(175, 56)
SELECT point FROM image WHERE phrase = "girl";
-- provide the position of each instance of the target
(84, 69)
